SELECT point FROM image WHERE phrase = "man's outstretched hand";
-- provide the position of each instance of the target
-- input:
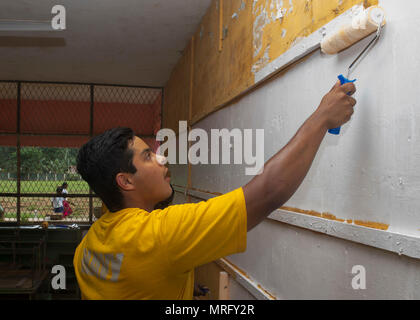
(336, 107)
(284, 172)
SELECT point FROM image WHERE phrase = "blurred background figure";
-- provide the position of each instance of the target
(64, 186)
(66, 203)
(57, 201)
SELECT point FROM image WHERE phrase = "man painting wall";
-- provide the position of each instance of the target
(140, 249)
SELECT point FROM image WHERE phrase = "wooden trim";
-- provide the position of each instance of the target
(223, 285)
(220, 25)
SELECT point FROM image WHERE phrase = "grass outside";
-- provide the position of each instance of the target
(35, 209)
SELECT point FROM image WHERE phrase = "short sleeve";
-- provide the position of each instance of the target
(198, 233)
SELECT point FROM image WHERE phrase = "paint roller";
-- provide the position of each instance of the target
(364, 23)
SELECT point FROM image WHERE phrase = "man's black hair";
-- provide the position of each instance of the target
(102, 158)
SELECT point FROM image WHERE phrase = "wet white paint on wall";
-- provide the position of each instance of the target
(370, 172)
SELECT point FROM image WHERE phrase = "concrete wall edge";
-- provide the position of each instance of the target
(402, 244)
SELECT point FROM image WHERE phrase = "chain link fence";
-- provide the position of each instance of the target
(42, 126)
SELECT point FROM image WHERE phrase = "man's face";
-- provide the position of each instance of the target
(151, 181)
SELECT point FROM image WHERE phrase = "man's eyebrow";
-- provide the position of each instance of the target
(145, 151)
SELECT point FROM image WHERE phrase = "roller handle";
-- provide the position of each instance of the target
(343, 80)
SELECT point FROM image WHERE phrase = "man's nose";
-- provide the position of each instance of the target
(162, 160)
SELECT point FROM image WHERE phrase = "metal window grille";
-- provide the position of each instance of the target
(42, 126)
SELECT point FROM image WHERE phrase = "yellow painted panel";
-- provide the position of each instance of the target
(253, 33)
(220, 75)
(277, 25)
(206, 68)
(236, 56)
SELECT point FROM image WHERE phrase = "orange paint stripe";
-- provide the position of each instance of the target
(329, 216)
(308, 212)
(267, 293)
(371, 224)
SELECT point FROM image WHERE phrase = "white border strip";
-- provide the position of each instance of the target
(386, 240)
(303, 47)
(401, 244)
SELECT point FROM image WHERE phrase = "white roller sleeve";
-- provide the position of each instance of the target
(363, 23)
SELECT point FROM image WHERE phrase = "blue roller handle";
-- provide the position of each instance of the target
(343, 80)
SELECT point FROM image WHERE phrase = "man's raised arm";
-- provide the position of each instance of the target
(285, 171)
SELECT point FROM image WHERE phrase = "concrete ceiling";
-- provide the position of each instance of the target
(132, 42)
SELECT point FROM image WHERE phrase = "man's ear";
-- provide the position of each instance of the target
(124, 181)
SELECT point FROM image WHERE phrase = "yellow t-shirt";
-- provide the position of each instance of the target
(135, 254)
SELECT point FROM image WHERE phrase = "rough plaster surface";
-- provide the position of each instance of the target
(237, 292)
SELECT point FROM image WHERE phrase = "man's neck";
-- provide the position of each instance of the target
(131, 203)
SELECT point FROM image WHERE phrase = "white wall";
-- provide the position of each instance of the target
(370, 172)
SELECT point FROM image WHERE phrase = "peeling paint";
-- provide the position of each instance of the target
(254, 6)
(281, 24)
(262, 62)
(283, 33)
(235, 15)
(329, 216)
(297, 40)
(259, 25)
(371, 224)
(278, 11)
(268, 16)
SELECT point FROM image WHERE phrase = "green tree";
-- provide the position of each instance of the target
(8, 159)
(38, 160)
